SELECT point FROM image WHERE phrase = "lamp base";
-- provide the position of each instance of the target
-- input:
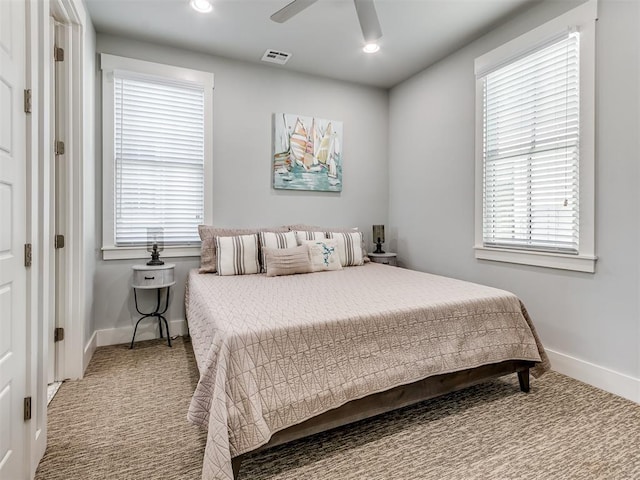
(155, 259)
(379, 248)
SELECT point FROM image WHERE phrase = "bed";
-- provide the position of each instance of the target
(281, 358)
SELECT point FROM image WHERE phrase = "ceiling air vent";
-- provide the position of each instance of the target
(275, 56)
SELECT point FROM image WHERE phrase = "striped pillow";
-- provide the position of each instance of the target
(275, 240)
(208, 234)
(237, 255)
(349, 247)
(315, 228)
(301, 236)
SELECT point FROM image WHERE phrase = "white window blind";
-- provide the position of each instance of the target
(531, 150)
(159, 159)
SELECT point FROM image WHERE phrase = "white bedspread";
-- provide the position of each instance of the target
(275, 351)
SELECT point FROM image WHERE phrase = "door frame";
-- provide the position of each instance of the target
(72, 356)
(70, 359)
(39, 298)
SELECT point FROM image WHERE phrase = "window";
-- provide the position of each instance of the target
(531, 151)
(534, 152)
(156, 156)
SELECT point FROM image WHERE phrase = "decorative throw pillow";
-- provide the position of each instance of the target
(349, 247)
(315, 228)
(323, 254)
(287, 261)
(208, 234)
(237, 255)
(301, 236)
(273, 240)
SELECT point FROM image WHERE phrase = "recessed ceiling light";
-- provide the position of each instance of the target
(202, 6)
(371, 48)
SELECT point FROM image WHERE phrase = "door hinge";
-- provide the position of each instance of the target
(58, 54)
(58, 241)
(27, 100)
(27, 255)
(58, 334)
(27, 408)
(59, 147)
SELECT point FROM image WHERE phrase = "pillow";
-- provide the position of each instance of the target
(349, 247)
(287, 261)
(323, 254)
(208, 234)
(315, 228)
(237, 255)
(273, 240)
(308, 235)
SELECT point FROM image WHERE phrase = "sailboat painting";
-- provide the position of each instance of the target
(307, 153)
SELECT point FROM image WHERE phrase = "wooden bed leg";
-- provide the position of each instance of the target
(235, 465)
(523, 378)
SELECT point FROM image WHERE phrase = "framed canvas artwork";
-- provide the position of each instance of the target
(307, 153)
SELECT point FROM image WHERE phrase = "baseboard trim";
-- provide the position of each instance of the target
(89, 350)
(614, 382)
(147, 330)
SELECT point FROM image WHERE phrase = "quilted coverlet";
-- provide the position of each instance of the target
(275, 351)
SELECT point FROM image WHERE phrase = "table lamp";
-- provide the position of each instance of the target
(378, 237)
(155, 245)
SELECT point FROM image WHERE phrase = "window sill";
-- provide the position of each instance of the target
(126, 253)
(577, 263)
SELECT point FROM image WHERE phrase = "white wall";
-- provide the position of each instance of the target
(591, 321)
(245, 97)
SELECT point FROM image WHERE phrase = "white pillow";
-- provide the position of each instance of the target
(275, 240)
(237, 255)
(349, 247)
(324, 254)
(301, 236)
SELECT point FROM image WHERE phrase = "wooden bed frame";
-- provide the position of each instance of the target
(393, 399)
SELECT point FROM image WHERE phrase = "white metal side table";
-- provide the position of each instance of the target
(156, 277)
(387, 258)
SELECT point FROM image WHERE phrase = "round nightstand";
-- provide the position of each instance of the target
(158, 277)
(387, 258)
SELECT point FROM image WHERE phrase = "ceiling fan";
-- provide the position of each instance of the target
(365, 9)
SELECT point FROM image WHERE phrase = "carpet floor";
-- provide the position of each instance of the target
(127, 420)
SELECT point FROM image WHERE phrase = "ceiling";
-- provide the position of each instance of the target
(325, 39)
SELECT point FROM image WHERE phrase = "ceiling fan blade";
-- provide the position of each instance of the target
(291, 9)
(368, 20)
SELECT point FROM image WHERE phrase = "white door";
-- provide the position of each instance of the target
(12, 239)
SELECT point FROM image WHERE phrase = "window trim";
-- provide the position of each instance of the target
(109, 63)
(583, 19)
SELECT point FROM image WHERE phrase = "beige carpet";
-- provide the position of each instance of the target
(127, 420)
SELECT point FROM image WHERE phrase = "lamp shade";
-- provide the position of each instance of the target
(378, 233)
(155, 236)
